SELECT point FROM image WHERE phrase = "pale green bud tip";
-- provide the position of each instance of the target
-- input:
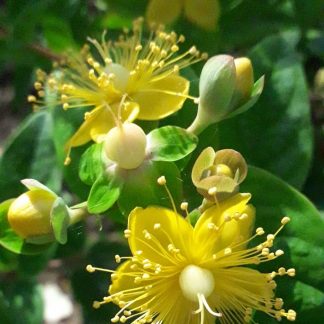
(29, 214)
(126, 146)
(244, 77)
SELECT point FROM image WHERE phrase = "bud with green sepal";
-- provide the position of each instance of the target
(39, 216)
(226, 89)
(217, 175)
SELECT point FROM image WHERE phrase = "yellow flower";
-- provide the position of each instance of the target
(127, 79)
(204, 13)
(183, 274)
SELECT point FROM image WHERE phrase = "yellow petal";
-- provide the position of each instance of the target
(161, 98)
(204, 13)
(203, 162)
(162, 11)
(230, 232)
(164, 226)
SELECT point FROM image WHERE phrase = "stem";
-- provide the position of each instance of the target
(77, 215)
(197, 126)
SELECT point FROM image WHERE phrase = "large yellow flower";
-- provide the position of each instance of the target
(127, 79)
(183, 274)
(204, 13)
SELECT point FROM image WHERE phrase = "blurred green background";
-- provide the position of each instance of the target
(282, 133)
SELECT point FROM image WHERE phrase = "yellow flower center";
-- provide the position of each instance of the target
(195, 281)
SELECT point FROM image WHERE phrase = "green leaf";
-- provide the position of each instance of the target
(104, 192)
(170, 143)
(141, 188)
(10, 240)
(302, 241)
(91, 164)
(29, 153)
(60, 220)
(21, 302)
(276, 133)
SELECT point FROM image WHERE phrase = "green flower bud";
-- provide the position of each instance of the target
(126, 146)
(218, 174)
(226, 88)
(29, 214)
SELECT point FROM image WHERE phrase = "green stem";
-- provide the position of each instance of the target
(77, 215)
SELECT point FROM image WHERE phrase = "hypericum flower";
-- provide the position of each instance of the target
(138, 77)
(220, 172)
(203, 13)
(183, 274)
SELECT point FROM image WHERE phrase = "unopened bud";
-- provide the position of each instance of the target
(226, 88)
(29, 214)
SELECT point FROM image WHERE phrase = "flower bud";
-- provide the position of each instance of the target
(218, 174)
(226, 88)
(126, 145)
(29, 214)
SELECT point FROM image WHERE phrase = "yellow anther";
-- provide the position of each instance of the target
(204, 56)
(279, 253)
(227, 218)
(96, 304)
(115, 319)
(291, 272)
(282, 271)
(259, 231)
(31, 98)
(157, 226)
(90, 61)
(193, 50)
(41, 93)
(212, 191)
(38, 85)
(270, 237)
(67, 160)
(117, 258)
(65, 106)
(127, 233)
(108, 60)
(244, 216)
(291, 316)
(227, 251)
(184, 206)
(182, 38)
(174, 48)
(161, 181)
(285, 220)
(146, 276)
(265, 251)
(138, 47)
(90, 268)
